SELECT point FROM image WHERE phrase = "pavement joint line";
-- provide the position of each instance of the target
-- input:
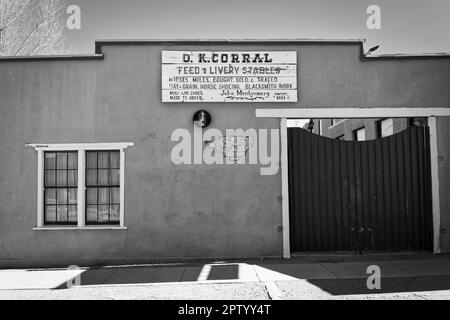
(414, 278)
(273, 291)
(256, 273)
(393, 263)
(259, 280)
(109, 277)
(329, 270)
(182, 274)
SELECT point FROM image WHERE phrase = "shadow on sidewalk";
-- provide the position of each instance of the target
(340, 278)
(154, 274)
(388, 285)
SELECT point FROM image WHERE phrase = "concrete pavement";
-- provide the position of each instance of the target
(412, 276)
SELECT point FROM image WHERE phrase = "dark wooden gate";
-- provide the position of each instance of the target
(369, 195)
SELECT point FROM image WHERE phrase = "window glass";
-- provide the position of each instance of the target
(60, 187)
(360, 134)
(102, 187)
(385, 127)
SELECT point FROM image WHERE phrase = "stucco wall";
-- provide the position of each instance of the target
(172, 211)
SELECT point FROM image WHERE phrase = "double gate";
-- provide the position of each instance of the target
(360, 195)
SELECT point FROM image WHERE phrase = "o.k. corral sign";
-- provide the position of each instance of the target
(232, 76)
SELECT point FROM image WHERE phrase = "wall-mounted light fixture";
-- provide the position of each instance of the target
(202, 118)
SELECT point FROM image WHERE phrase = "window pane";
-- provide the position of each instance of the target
(103, 213)
(73, 195)
(50, 213)
(114, 159)
(103, 160)
(61, 170)
(115, 195)
(91, 213)
(91, 177)
(115, 213)
(103, 177)
(91, 196)
(72, 213)
(114, 177)
(61, 178)
(49, 178)
(103, 195)
(102, 169)
(72, 177)
(61, 194)
(72, 160)
(61, 213)
(61, 160)
(387, 127)
(50, 196)
(50, 160)
(360, 134)
(91, 159)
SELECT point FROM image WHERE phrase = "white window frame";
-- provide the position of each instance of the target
(81, 148)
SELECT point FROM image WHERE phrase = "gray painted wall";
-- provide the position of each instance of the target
(176, 211)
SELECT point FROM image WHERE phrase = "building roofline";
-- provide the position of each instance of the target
(98, 55)
(53, 57)
(105, 42)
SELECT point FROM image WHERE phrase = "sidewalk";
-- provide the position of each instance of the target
(303, 277)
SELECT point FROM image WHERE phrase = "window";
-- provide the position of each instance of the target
(102, 187)
(80, 185)
(60, 187)
(359, 134)
(341, 137)
(385, 127)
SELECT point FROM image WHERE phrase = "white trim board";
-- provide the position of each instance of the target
(436, 206)
(285, 188)
(84, 146)
(348, 113)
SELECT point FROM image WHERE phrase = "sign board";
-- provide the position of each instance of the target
(229, 76)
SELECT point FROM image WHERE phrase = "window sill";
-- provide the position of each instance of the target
(52, 228)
